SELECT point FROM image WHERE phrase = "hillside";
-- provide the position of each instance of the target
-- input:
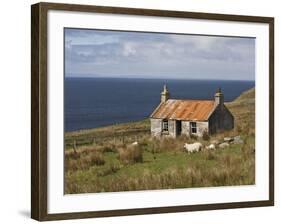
(103, 159)
(243, 109)
(121, 132)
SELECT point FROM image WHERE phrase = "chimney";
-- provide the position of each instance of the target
(219, 100)
(165, 94)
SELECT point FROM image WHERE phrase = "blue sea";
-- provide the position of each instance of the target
(97, 102)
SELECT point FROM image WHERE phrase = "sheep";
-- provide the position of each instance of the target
(211, 147)
(195, 147)
(223, 145)
(215, 142)
(228, 139)
(135, 144)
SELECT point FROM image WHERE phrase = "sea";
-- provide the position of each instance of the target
(96, 102)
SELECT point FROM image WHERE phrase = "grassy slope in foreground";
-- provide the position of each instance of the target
(98, 167)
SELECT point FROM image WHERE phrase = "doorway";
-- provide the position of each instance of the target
(178, 128)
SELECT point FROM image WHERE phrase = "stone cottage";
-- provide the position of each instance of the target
(174, 117)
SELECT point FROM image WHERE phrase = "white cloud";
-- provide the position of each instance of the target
(129, 49)
(155, 55)
(199, 42)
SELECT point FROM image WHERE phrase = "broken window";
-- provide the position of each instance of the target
(193, 126)
(165, 125)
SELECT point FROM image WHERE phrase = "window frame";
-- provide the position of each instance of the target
(165, 125)
(193, 125)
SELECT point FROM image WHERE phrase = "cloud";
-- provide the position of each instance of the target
(138, 54)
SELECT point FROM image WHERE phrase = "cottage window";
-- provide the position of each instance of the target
(193, 126)
(165, 125)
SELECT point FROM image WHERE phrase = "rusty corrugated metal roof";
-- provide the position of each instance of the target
(184, 110)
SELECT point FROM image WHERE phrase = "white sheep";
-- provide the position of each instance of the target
(211, 147)
(135, 144)
(194, 147)
(223, 145)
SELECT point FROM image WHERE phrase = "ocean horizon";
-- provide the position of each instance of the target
(97, 102)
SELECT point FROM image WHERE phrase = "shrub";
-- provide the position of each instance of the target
(71, 164)
(96, 158)
(168, 144)
(109, 149)
(73, 155)
(112, 168)
(85, 161)
(210, 155)
(132, 154)
(192, 136)
(77, 164)
(205, 136)
(155, 146)
(238, 129)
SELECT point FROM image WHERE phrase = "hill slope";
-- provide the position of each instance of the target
(243, 109)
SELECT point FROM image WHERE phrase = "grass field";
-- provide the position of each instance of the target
(103, 159)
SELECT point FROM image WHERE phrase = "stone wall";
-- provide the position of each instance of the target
(155, 127)
(228, 120)
(201, 127)
(185, 128)
(172, 128)
(221, 120)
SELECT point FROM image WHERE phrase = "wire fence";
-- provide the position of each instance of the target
(116, 138)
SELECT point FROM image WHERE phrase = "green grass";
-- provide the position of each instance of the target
(95, 164)
(167, 169)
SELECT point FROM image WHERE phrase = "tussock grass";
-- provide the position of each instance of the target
(130, 155)
(82, 161)
(227, 170)
(166, 169)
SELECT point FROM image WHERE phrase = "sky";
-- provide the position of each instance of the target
(120, 54)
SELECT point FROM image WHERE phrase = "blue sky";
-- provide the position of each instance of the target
(96, 53)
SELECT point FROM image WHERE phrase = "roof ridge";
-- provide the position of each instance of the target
(192, 100)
